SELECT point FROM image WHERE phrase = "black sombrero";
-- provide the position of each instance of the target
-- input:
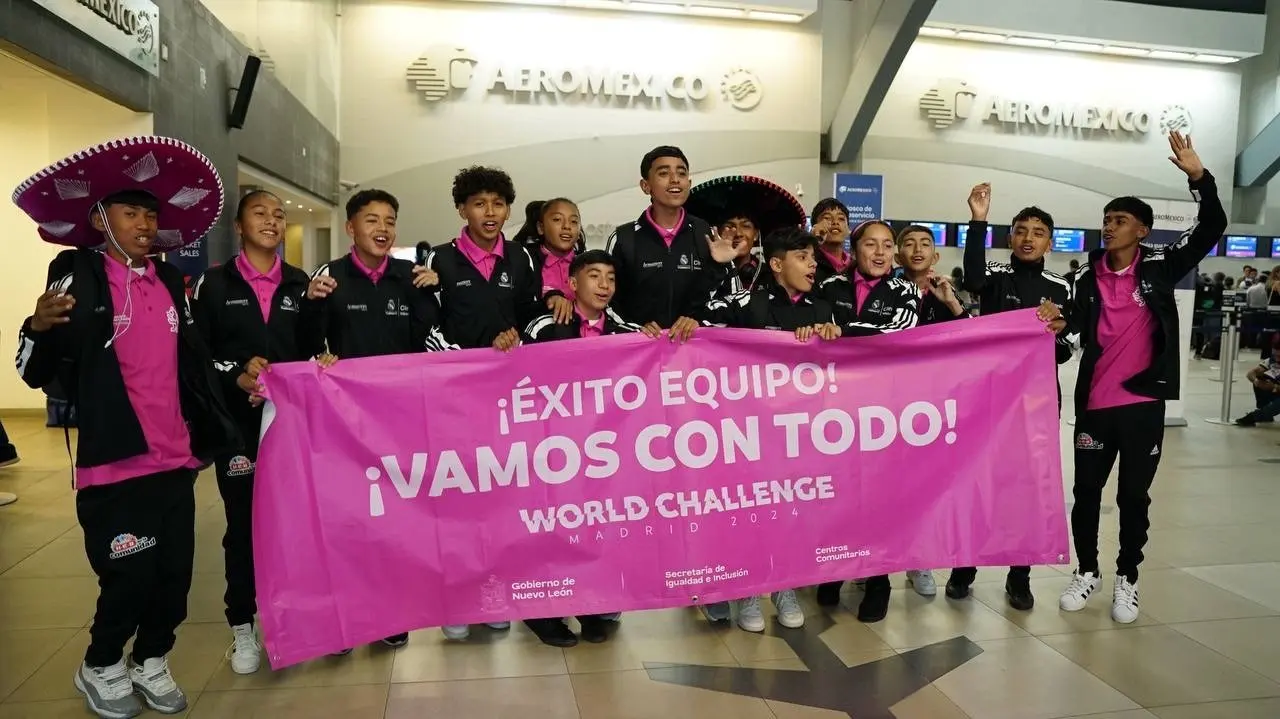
(767, 204)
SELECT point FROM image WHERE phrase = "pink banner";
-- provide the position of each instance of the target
(396, 493)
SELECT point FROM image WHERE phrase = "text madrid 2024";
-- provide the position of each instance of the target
(657, 448)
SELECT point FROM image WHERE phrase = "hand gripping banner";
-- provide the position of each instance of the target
(623, 473)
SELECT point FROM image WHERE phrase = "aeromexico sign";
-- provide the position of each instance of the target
(444, 71)
(950, 102)
(131, 28)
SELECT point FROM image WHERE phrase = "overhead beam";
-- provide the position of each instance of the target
(880, 54)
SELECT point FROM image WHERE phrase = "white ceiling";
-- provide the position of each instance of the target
(301, 206)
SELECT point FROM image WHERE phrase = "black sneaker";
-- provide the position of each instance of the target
(595, 629)
(829, 594)
(875, 603)
(1248, 420)
(552, 632)
(1018, 591)
(397, 641)
(958, 586)
(8, 455)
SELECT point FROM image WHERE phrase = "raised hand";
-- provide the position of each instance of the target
(722, 250)
(980, 201)
(1184, 155)
(51, 309)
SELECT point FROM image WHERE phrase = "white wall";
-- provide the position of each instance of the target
(586, 149)
(1070, 173)
(297, 41)
(53, 120)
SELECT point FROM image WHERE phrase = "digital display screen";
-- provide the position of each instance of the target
(962, 231)
(1275, 247)
(939, 231)
(1068, 240)
(1242, 246)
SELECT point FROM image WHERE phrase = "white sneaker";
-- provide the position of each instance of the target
(108, 691)
(750, 616)
(456, 632)
(155, 682)
(790, 615)
(1124, 601)
(245, 651)
(922, 581)
(1076, 595)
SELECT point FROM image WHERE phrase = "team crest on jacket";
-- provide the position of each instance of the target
(125, 544)
(1084, 441)
(239, 466)
(288, 305)
(504, 280)
(391, 307)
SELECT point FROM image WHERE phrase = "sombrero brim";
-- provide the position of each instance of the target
(60, 197)
(768, 204)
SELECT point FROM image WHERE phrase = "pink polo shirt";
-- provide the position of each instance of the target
(375, 274)
(668, 236)
(840, 262)
(483, 260)
(590, 328)
(264, 286)
(862, 289)
(1125, 333)
(146, 346)
(555, 274)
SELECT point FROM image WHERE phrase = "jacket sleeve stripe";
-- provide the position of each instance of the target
(615, 317)
(25, 347)
(539, 325)
(436, 341)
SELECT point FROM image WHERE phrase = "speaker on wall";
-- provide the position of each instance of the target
(244, 93)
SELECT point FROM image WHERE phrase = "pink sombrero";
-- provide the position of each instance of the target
(60, 197)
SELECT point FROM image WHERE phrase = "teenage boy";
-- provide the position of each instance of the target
(1124, 310)
(938, 303)
(366, 304)
(916, 256)
(1021, 283)
(830, 222)
(488, 285)
(247, 311)
(669, 263)
(115, 330)
(592, 280)
(868, 300)
(1265, 379)
(783, 301)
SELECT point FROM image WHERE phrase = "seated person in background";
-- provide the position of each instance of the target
(1265, 379)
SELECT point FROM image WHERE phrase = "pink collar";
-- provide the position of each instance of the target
(474, 252)
(375, 274)
(668, 236)
(249, 272)
(839, 262)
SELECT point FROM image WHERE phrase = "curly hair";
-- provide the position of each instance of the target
(476, 179)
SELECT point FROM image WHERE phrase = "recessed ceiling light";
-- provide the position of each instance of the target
(656, 7)
(1127, 51)
(1216, 59)
(937, 31)
(774, 16)
(979, 36)
(1170, 55)
(1078, 46)
(1030, 41)
(709, 11)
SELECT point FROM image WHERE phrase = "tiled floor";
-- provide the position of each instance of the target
(1206, 647)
